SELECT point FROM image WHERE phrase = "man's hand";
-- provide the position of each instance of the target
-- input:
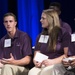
(8, 61)
(37, 64)
(1, 65)
(66, 64)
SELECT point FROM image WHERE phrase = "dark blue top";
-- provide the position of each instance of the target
(62, 41)
(20, 46)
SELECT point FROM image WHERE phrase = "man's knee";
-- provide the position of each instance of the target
(6, 66)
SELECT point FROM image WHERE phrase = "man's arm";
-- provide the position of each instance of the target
(24, 61)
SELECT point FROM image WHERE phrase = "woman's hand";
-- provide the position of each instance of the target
(48, 62)
(37, 64)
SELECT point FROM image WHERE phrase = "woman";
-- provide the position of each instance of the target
(53, 42)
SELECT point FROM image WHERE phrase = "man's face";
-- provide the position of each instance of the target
(9, 23)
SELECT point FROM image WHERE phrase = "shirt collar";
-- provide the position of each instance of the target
(15, 36)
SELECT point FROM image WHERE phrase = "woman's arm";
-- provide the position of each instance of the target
(36, 63)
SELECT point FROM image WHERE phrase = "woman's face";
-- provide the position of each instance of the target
(44, 20)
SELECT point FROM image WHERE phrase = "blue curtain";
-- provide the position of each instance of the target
(29, 13)
(3, 10)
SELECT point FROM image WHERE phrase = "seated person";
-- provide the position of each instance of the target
(15, 49)
(70, 64)
(53, 41)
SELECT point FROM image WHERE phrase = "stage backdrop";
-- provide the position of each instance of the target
(29, 14)
(3, 10)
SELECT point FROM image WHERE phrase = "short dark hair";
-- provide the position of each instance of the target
(9, 14)
(56, 4)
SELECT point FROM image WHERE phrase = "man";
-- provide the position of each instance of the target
(15, 49)
(69, 63)
(57, 7)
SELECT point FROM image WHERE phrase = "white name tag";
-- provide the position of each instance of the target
(72, 37)
(43, 38)
(7, 43)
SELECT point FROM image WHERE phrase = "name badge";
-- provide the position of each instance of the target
(43, 38)
(72, 37)
(7, 43)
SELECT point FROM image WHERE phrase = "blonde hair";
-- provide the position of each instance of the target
(52, 18)
(53, 27)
